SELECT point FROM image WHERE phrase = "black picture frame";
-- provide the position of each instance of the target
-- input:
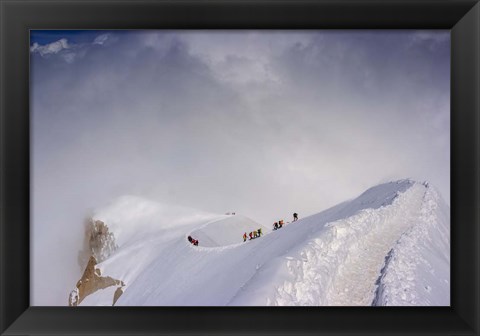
(17, 17)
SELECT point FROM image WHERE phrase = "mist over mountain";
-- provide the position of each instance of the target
(257, 122)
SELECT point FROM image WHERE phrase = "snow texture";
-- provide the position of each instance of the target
(389, 246)
(102, 297)
(420, 260)
(73, 298)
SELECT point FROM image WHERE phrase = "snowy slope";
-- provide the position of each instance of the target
(389, 246)
(225, 230)
(418, 260)
(103, 297)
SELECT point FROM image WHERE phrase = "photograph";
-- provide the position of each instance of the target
(198, 167)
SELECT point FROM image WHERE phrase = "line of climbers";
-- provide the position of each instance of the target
(276, 226)
(280, 223)
(252, 235)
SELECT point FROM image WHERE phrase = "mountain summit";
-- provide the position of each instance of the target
(388, 246)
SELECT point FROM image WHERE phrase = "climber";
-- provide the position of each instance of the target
(250, 235)
(275, 226)
(295, 217)
(245, 237)
(280, 223)
(192, 241)
(259, 232)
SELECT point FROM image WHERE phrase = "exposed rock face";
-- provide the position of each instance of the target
(98, 245)
(91, 281)
(117, 295)
(98, 242)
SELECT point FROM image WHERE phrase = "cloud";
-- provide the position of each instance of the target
(51, 48)
(429, 39)
(258, 122)
(101, 39)
(67, 51)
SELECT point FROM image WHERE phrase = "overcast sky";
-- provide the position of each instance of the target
(264, 123)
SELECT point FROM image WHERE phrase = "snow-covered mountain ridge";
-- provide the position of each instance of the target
(389, 246)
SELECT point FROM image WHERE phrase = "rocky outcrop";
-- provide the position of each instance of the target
(117, 295)
(98, 245)
(92, 281)
(98, 242)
